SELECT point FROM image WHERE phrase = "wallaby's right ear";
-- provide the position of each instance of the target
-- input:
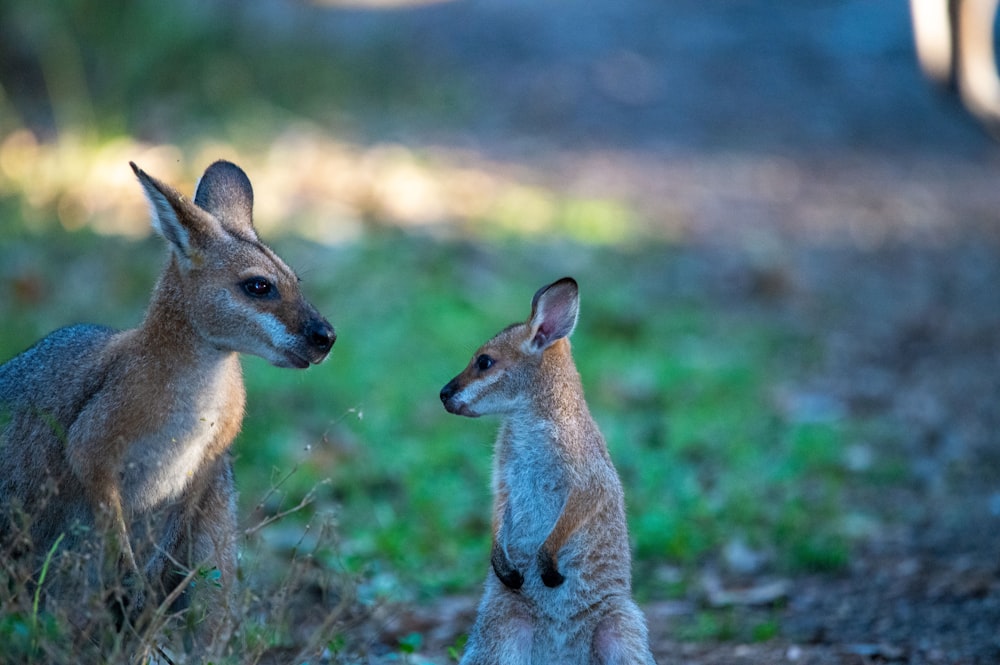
(554, 311)
(225, 192)
(175, 218)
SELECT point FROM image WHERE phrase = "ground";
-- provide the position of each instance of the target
(837, 190)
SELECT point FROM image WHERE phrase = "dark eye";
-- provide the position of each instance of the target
(484, 362)
(258, 287)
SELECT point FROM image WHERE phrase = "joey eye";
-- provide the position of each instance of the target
(484, 362)
(258, 287)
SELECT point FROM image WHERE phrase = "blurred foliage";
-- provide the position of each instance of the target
(225, 69)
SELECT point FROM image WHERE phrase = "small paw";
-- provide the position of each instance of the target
(511, 579)
(505, 572)
(551, 577)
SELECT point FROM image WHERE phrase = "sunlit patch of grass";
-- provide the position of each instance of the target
(534, 211)
(308, 183)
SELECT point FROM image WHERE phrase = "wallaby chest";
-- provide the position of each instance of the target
(537, 481)
(162, 461)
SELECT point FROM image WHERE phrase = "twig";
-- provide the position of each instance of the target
(306, 501)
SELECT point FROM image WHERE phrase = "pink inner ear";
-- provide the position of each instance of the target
(539, 340)
(543, 335)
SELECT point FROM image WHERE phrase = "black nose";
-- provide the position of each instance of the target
(320, 334)
(448, 391)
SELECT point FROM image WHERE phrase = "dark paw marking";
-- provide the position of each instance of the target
(511, 579)
(505, 572)
(126, 601)
(551, 577)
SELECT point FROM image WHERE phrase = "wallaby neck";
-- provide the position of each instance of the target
(559, 391)
(556, 409)
(167, 331)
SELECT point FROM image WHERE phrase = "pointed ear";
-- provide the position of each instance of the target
(184, 226)
(224, 191)
(554, 311)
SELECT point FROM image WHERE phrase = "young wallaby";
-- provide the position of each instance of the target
(560, 591)
(124, 436)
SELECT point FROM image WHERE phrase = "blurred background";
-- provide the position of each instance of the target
(786, 240)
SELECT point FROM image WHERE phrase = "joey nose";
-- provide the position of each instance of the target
(320, 335)
(448, 391)
(452, 402)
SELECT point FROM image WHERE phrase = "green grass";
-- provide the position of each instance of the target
(683, 389)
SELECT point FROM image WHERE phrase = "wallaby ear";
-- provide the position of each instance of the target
(224, 191)
(182, 223)
(554, 311)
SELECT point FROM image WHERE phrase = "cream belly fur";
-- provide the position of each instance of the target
(159, 466)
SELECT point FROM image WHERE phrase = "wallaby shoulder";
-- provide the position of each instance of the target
(65, 357)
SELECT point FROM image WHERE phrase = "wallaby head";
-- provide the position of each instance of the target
(231, 289)
(506, 372)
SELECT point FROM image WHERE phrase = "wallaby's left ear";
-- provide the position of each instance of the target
(554, 311)
(186, 226)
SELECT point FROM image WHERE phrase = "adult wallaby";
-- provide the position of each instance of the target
(560, 591)
(122, 438)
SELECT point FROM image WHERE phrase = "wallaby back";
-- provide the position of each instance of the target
(122, 437)
(560, 591)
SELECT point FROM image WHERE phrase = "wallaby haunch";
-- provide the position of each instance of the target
(560, 590)
(124, 436)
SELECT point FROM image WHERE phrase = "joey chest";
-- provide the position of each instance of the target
(534, 502)
(536, 485)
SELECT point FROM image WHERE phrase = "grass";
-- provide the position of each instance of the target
(684, 391)
(282, 617)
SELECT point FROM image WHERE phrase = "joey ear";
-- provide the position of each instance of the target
(224, 191)
(182, 223)
(554, 311)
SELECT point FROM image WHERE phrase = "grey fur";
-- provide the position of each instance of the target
(559, 587)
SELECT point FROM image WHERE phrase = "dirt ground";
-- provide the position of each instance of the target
(806, 171)
(911, 334)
